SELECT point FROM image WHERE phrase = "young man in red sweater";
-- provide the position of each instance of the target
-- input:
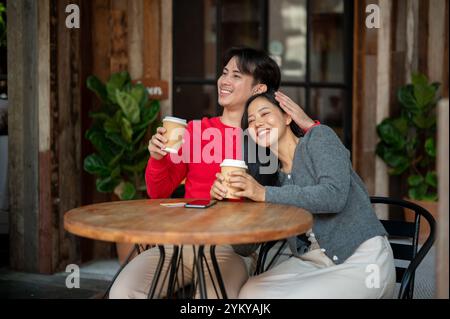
(207, 142)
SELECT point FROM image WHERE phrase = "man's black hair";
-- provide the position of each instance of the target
(256, 63)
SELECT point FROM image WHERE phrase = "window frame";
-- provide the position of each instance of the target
(308, 85)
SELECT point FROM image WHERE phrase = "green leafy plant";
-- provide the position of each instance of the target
(117, 134)
(2, 25)
(408, 142)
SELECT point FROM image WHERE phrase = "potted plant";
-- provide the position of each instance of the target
(408, 143)
(118, 135)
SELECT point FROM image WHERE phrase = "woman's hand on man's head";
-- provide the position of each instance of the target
(250, 188)
(294, 111)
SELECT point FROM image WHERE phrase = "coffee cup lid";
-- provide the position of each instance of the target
(175, 120)
(234, 163)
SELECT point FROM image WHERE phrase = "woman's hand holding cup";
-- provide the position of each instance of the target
(219, 190)
(157, 143)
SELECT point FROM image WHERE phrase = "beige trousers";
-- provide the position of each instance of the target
(368, 273)
(135, 279)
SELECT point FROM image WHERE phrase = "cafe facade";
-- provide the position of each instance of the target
(342, 60)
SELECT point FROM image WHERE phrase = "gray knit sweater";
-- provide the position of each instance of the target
(323, 182)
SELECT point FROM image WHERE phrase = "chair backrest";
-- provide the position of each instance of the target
(409, 252)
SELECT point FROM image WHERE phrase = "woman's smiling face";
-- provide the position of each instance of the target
(266, 122)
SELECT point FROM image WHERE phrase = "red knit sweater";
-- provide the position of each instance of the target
(207, 143)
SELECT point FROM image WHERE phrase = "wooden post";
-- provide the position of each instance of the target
(67, 127)
(152, 42)
(29, 134)
(436, 40)
(166, 53)
(383, 95)
(412, 30)
(135, 38)
(119, 39)
(364, 97)
(443, 207)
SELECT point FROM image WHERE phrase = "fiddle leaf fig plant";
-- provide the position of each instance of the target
(117, 134)
(408, 142)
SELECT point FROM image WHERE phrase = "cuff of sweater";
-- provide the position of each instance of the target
(316, 123)
(159, 165)
(272, 194)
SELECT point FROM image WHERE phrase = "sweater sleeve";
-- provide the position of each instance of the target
(163, 176)
(332, 168)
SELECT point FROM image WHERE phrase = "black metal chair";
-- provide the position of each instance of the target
(408, 252)
(396, 229)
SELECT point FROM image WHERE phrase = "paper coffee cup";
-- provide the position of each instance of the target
(174, 133)
(228, 166)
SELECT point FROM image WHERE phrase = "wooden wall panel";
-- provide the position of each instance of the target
(410, 39)
(152, 40)
(118, 34)
(68, 127)
(16, 73)
(101, 42)
(135, 38)
(45, 135)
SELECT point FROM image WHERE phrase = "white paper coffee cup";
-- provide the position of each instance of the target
(174, 133)
(228, 166)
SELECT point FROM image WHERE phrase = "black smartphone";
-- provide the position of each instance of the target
(201, 203)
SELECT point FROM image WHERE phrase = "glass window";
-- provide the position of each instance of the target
(201, 98)
(311, 40)
(241, 23)
(327, 41)
(297, 94)
(327, 106)
(287, 37)
(194, 42)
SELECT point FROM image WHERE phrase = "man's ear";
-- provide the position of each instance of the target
(259, 88)
(288, 119)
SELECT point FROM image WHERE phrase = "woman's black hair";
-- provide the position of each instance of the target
(256, 63)
(269, 96)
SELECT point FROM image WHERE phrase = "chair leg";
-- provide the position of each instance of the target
(135, 249)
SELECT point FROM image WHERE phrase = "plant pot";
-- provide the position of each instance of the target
(432, 207)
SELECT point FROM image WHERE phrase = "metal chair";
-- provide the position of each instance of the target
(396, 229)
(408, 252)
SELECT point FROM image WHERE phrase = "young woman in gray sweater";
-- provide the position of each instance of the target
(346, 254)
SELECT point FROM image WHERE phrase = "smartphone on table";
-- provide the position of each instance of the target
(201, 203)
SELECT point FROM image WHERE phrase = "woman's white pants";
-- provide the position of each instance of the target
(368, 273)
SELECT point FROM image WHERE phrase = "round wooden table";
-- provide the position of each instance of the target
(147, 221)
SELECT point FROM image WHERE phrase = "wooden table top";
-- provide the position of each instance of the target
(146, 221)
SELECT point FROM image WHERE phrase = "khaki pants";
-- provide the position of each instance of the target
(368, 273)
(135, 279)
